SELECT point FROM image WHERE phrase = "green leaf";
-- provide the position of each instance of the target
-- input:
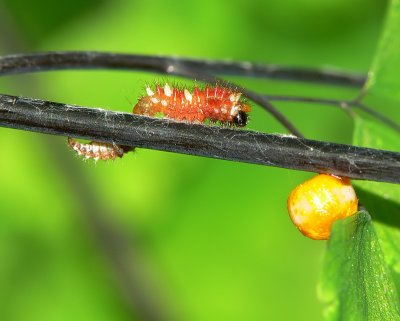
(383, 76)
(381, 199)
(382, 92)
(382, 88)
(361, 275)
(372, 134)
(355, 281)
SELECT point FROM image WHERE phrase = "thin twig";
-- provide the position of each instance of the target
(313, 100)
(210, 141)
(343, 104)
(171, 65)
(376, 114)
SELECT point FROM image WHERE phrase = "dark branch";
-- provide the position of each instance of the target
(223, 143)
(170, 65)
(88, 60)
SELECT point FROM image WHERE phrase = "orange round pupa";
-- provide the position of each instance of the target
(318, 202)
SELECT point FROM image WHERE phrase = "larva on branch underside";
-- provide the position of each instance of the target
(216, 104)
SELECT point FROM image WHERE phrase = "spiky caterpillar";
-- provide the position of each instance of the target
(217, 104)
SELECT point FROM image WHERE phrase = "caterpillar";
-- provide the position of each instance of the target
(317, 203)
(97, 150)
(216, 104)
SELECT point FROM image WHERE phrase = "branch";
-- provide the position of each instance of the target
(210, 141)
(88, 60)
(171, 65)
(343, 104)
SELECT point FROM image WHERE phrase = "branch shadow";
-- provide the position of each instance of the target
(381, 210)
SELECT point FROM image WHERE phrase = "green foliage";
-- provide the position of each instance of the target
(216, 236)
(382, 89)
(383, 78)
(359, 279)
(383, 200)
(356, 283)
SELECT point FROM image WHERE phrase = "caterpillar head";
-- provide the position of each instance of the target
(239, 110)
(240, 119)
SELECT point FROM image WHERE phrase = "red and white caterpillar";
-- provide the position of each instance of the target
(216, 104)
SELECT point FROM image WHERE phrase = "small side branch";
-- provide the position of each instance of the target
(209, 141)
(344, 104)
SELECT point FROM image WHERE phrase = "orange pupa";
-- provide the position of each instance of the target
(318, 202)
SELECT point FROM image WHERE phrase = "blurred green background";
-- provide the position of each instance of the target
(159, 236)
